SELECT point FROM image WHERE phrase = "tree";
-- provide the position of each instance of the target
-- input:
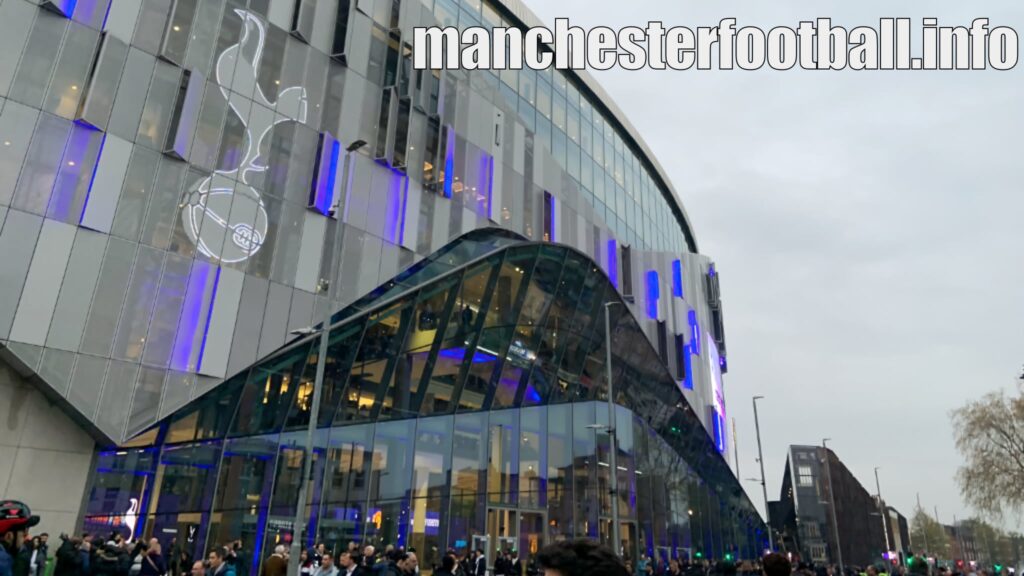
(989, 434)
(928, 536)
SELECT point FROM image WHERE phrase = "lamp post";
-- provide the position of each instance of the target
(612, 436)
(881, 508)
(832, 502)
(321, 362)
(764, 487)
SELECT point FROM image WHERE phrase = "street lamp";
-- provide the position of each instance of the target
(321, 363)
(832, 501)
(764, 487)
(881, 509)
(612, 438)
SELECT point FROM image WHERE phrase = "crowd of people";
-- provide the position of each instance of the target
(87, 555)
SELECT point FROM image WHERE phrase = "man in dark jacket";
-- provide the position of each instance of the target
(68, 560)
(107, 562)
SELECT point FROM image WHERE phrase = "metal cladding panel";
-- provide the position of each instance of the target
(42, 284)
(106, 185)
(220, 329)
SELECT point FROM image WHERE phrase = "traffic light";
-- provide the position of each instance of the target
(728, 556)
(910, 560)
(699, 555)
(999, 568)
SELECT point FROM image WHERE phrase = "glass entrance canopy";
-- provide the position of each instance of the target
(458, 410)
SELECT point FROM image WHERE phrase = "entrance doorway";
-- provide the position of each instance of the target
(514, 530)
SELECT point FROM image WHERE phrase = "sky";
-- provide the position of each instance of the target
(868, 228)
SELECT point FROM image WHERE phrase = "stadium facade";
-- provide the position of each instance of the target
(174, 177)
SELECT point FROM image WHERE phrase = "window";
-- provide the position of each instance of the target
(805, 476)
(663, 342)
(549, 217)
(627, 271)
(680, 356)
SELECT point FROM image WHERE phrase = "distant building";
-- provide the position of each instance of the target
(899, 532)
(803, 515)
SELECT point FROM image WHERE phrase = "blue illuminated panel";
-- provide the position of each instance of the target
(687, 364)
(449, 160)
(325, 174)
(613, 262)
(677, 278)
(653, 294)
(718, 426)
(694, 333)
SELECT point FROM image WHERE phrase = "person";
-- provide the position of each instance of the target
(327, 567)
(15, 520)
(776, 565)
(108, 561)
(349, 565)
(275, 564)
(479, 563)
(218, 563)
(395, 564)
(516, 565)
(579, 558)
(318, 554)
(725, 568)
(502, 566)
(641, 565)
(153, 563)
(67, 557)
(411, 564)
(23, 559)
(136, 555)
(198, 569)
(307, 565)
(41, 554)
(673, 568)
(239, 558)
(85, 555)
(447, 566)
(368, 559)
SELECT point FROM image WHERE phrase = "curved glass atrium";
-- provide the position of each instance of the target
(462, 406)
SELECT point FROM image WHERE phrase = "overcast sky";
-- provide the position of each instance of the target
(868, 227)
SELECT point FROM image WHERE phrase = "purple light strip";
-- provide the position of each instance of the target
(490, 186)
(449, 161)
(653, 293)
(192, 309)
(550, 199)
(677, 278)
(405, 206)
(92, 180)
(694, 333)
(613, 262)
(325, 174)
(392, 222)
(62, 7)
(209, 317)
(106, 14)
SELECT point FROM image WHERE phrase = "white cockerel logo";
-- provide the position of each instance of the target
(223, 214)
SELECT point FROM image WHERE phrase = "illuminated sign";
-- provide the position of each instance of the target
(717, 396)
(129, 519)
(223, 214)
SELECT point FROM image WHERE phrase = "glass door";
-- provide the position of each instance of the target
(503, 529)
(532, 534)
